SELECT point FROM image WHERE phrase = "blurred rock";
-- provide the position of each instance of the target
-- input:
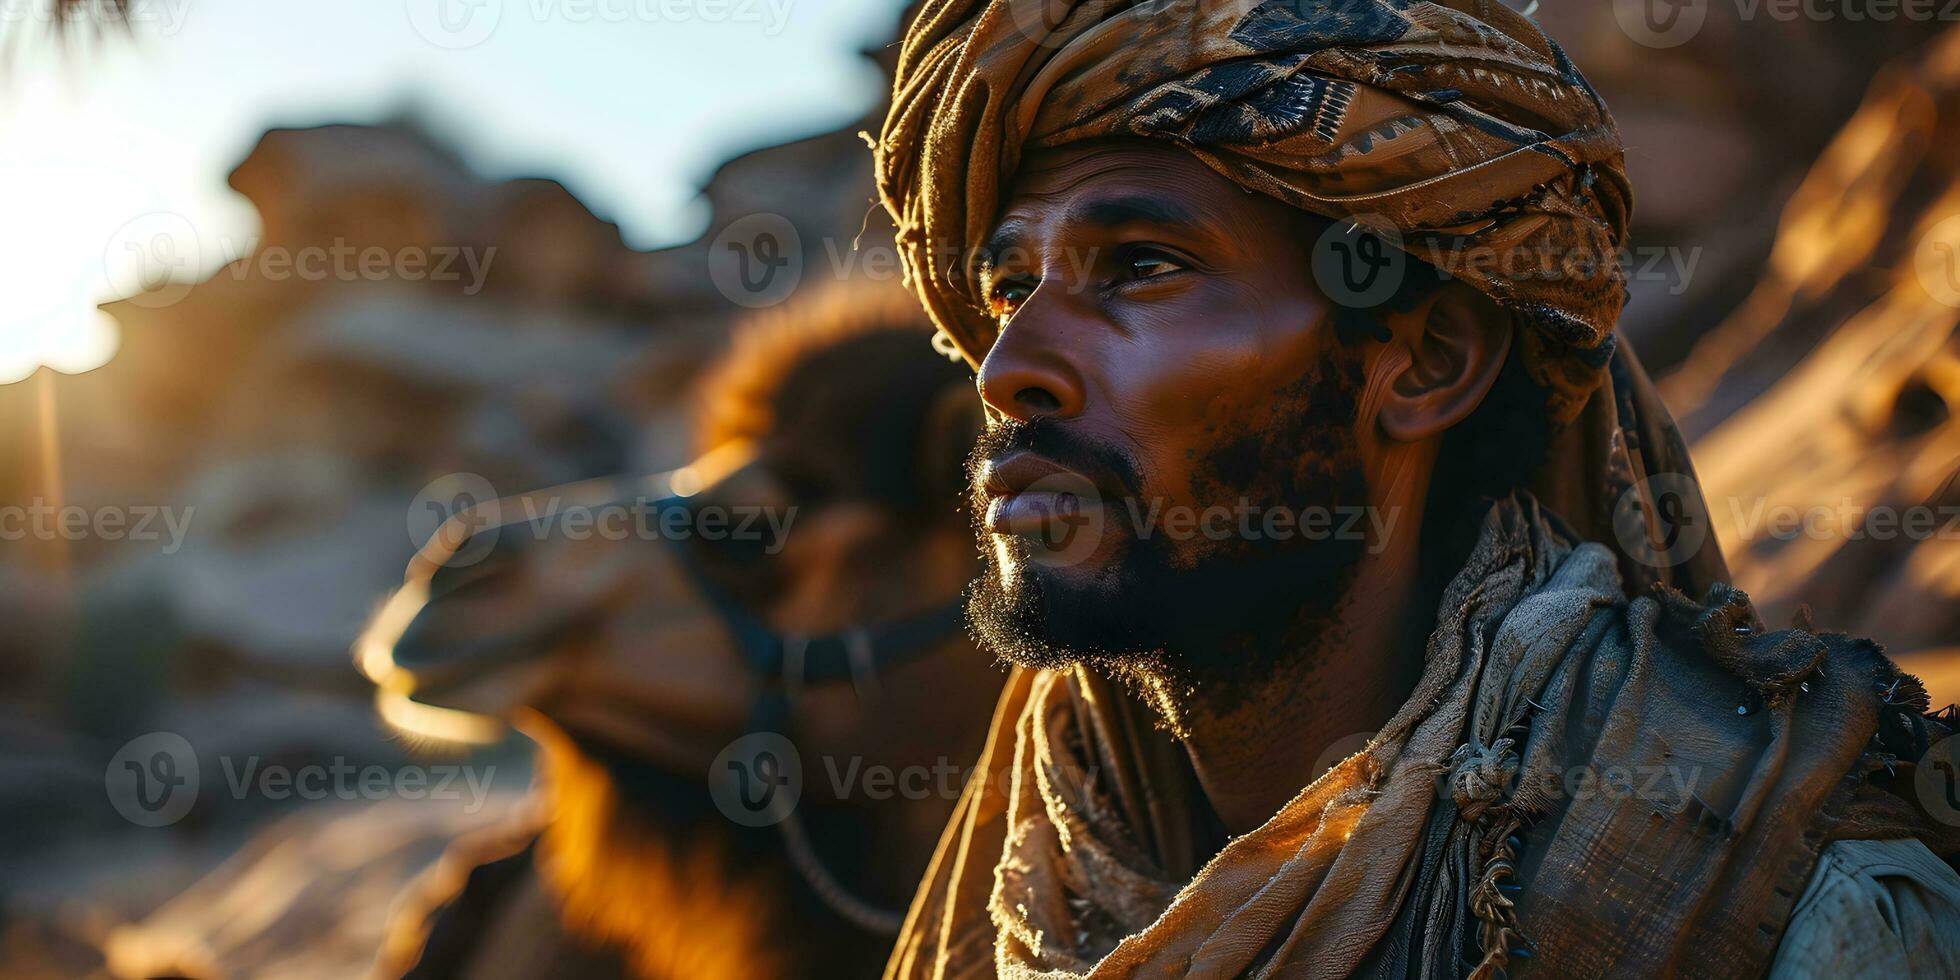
(1830, 395)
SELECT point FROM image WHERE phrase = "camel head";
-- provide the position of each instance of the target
(815, 549)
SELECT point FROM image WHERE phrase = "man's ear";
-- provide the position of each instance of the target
(1457, 340)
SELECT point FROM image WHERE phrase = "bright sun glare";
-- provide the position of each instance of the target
(71, 242)
(113, 158)
(49, 316)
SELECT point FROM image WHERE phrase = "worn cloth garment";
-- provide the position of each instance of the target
(1879, 909)
(1455, 127)
(1607, 787)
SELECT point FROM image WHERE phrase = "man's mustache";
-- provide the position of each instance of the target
(1102, 464)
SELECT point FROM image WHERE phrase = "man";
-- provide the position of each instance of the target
(1152, 228)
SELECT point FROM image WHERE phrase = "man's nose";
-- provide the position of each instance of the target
(1031, 369)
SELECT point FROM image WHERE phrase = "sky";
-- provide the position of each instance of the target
(630, 103)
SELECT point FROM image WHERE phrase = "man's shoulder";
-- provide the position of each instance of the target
(1759, 748)
(1875, 909)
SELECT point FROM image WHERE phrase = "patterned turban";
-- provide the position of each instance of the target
(1454, 127)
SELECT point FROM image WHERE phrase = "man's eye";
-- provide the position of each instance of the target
(1146, 263)
(1007, 294)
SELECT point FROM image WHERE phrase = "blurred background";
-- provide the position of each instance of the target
(273, 271)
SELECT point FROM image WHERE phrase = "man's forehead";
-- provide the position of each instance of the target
(1119, 182)
(1049, 174)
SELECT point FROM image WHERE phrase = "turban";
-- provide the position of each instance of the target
(1454, 128)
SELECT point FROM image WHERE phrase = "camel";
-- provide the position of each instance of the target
(643, 665)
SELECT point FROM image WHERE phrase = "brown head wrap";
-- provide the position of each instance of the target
(1455, 127)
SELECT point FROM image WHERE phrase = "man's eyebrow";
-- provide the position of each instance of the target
(1106, 212)
(1110, 212)
(1008, 238)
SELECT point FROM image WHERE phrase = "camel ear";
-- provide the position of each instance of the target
(953, 423)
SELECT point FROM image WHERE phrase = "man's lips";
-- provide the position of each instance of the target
(1027, 494)
(1037, 512)
(1020, 470)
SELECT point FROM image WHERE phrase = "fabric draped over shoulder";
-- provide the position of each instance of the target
(1457, 841)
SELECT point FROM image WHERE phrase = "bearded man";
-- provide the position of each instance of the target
(1552, 739)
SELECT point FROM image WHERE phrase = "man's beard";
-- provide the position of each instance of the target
(1220, 615)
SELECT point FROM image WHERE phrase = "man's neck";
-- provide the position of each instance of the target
(1255, 748)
